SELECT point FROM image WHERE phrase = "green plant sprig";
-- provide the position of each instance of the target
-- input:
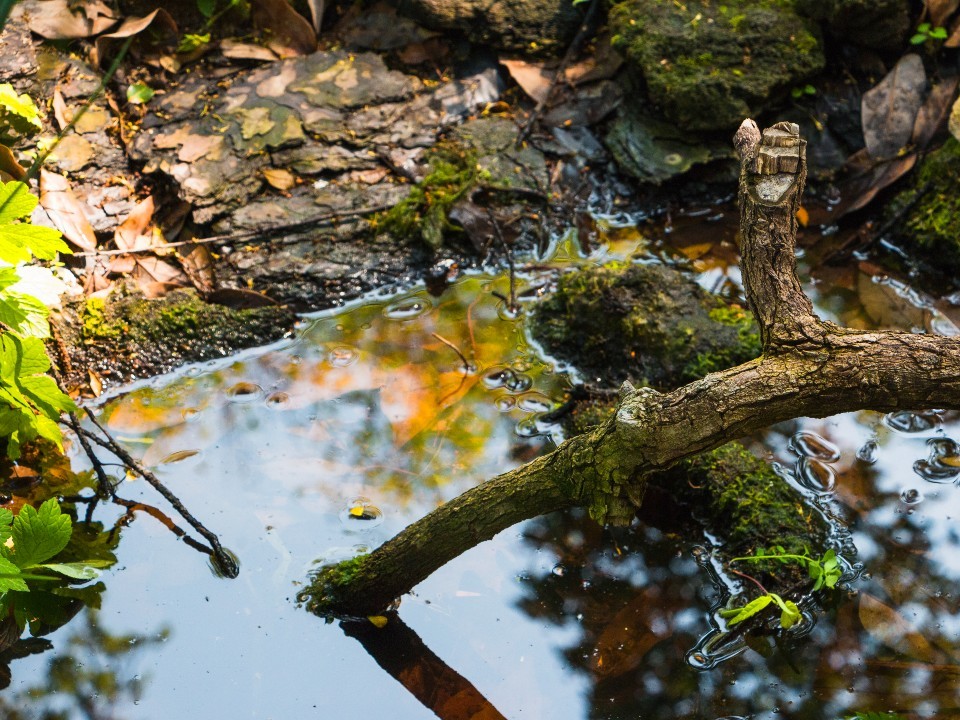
(925, 32)
(789, 612)
(825, 571)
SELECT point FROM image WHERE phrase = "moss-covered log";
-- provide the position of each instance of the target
(808, 368)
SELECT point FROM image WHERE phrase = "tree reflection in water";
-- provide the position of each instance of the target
(92, 676)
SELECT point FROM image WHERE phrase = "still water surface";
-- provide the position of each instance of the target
(372, 409)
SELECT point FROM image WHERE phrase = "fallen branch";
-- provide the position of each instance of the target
(809, 368)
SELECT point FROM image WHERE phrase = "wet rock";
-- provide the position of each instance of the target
(522, 26)
(877, 24)
(127, 336)
(927, 213)
(653, 150)
(646, 323)
(708, 65)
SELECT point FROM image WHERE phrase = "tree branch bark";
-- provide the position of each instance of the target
(808, 368)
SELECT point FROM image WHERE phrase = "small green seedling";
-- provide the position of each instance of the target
(800, 91)
(926, 32)
(824, 571)
(789, 612)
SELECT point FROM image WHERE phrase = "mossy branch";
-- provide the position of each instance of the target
(808, 368)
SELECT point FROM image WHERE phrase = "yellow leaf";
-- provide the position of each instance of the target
(803, 217)
(951, 460)
(357, 511)
(379, 620)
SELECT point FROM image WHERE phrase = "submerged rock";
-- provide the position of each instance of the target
(646, 323)
(928, 212)
(708, 65)
(524, 26)
(127, 336)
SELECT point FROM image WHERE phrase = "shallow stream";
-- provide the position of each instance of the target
(327, 444)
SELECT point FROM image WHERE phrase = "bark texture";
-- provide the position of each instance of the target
(808, 368)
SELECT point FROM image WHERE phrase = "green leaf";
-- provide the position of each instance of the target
(16, 202)
(923, 28)
(191, 42)
(918, 39)
(19, 116)
(24, 314)
(10, 577)
(38, 535)
(939, 33)
(77, 570)
(207, 7)
(738, 615)
(139, 93)
(790, 615)
(21, 241)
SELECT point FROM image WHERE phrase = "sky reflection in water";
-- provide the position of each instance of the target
(556, 618)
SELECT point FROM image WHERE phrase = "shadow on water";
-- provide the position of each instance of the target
(314, 450)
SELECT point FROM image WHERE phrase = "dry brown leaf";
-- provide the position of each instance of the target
(954, 39)
(65, 210)
(197, 263)
(9, 164)
(889, 627)
(163, 33)
(246, 51)
(935, 112)
(889, 110)
(134, 232)
(280, 178)
(941, 10)
(153, 275)
(533, 78)
(62, 20)
(286, 32)
(954, 122)
(317, 8)
(860, 190)
(61, 112)
(96, 384)
(240, 298)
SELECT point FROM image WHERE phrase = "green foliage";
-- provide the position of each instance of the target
(31, 588)
(876, 716)
(191, 41)
(925, 32)
(19, 240)
(799, 91)
(139, 93)
(789, 612)
(19, 116)
(825, 571)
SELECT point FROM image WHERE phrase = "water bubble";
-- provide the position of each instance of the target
(505, 403)
(907, 421)
(868, 452)
(275, 399)
(407, 309)
(527, 428)
(343, 356)
(559, 570)
(714, 648)
(225, 565)
(506, 312)
(935, 472)
(942, 464)
(244, 392)
(815, 475)
(360, 514)
(497, 377)
(189, 413)
(535, 402)
(811, 445)
(519, 383)
(911, 496)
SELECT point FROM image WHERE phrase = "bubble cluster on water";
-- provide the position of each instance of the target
(508, 378)
(813, 467)
(244, 392)
(942, 465)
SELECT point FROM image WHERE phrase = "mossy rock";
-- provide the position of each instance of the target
(877, 24)
(127, 335)
(708, 65)
(649, 324)
(930, 209)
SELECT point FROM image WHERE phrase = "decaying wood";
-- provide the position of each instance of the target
(808, 368)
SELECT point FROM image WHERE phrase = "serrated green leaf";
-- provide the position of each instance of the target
(19, 242)
(10, 577)
(24, 314)
(8, 277)
(748, 610)
(16, 202)
(19, 116)
(38, 535)
(6, 517)
(43, 391)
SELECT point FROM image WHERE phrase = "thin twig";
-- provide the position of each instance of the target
(226, 562)
(133, 506)
(466, 365)
(512, 305)
(243, 235)
(561, 69)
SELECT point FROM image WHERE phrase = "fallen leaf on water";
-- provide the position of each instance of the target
(889, 110)
(178, 456)
(951, 460)
(890, 628)
(357, 511)
(96, 384)
(65, 210)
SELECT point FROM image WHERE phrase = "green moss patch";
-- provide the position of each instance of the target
(646, 323)
(931, 208)
(708, 65)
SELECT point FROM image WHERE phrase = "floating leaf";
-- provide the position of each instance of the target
(379, 621)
